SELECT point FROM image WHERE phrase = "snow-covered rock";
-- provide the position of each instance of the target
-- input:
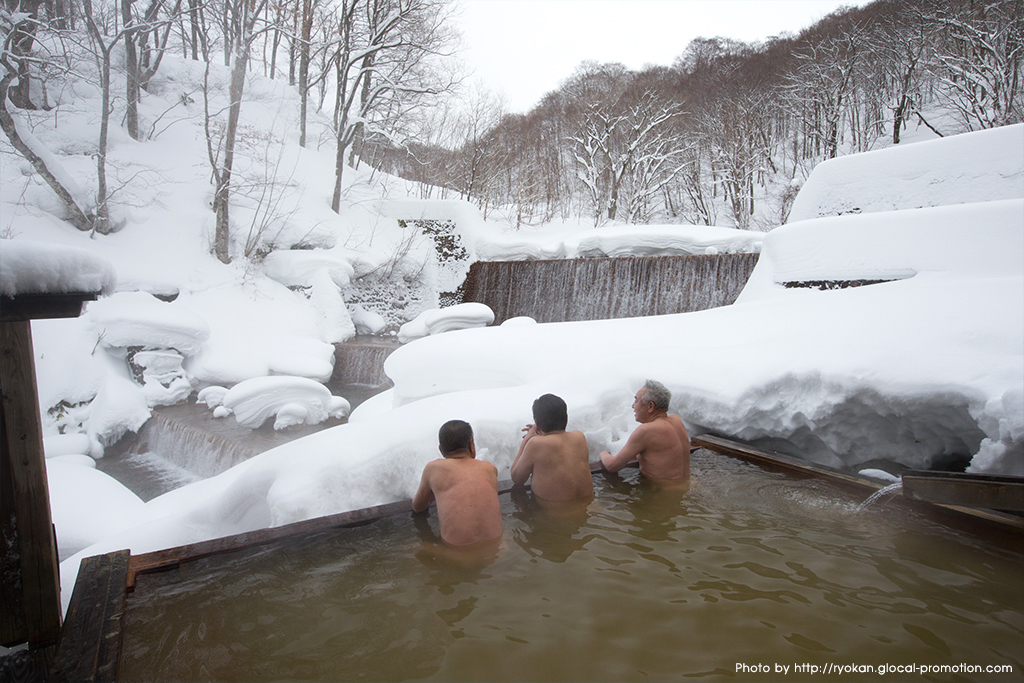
(87, 505)
(293, 400)
(438, 320)
(128, 319)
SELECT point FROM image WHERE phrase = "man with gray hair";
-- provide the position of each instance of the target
(660, 443)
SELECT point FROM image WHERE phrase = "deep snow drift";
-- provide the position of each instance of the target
(925, 369)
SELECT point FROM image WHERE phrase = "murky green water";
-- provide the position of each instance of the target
(746, 568)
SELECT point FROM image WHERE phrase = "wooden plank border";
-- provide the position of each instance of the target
(992, 491)
(90, 644)
(952, 513)
(171, 558)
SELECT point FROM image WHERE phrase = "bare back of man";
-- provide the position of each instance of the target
(559, 463)
(660, 444)
(466, 491)
(664, 448)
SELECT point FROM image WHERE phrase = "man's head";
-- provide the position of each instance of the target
(550, 413)
(455, 436)
(653, 398)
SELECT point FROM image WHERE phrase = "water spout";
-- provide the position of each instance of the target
(884, 491)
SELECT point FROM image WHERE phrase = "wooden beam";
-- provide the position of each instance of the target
(22, 448)
(36, 306)
(996, 492)
(90, 646)
(13, 630)
(1013, 524)
(787, 463)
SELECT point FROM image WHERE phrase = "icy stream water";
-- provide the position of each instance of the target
(183, 443)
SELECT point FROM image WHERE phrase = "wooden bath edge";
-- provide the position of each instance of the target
(995, 519)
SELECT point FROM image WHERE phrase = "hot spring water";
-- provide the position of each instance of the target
(747, 567)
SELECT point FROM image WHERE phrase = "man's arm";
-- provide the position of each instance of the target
(635, 445)
(424, 494)
(522, 467)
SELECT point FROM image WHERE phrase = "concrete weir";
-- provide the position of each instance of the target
(600, 288)
(360, 361)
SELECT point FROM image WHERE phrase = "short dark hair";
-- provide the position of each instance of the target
(658, 394)
(550, 413)
(454, 435)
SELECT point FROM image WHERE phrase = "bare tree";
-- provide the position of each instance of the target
(376, 60)
(142, 60)
(981, 59)
(824, 82)
(17, 57)
(245, 15)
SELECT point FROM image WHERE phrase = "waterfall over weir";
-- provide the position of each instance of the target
(361, 361)
(186, 437)
(599, 288)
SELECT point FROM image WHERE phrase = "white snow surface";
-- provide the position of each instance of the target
(617, 241)
(973, 167)
(292, 400)
(28, 267)
(129, 319)
(926, 367)
(438, 320)
(87, 505)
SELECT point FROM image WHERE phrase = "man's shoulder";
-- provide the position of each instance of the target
(484, 466)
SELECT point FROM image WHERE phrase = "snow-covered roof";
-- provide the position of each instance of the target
(38, 268)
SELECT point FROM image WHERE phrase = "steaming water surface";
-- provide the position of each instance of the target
(747, 566)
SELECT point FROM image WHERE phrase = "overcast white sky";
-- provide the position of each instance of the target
(525, 48)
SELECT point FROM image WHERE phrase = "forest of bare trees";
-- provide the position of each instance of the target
(721, 137)
(377, 63)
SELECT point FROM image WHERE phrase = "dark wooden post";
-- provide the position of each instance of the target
(25, 494)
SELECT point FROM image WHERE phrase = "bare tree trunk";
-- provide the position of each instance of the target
(60, 15)
(276, 42)
(193, 15)
(101, 221)
(132, 71)
(307, 31)
(221, 201)
(20, 41)
(76, 215)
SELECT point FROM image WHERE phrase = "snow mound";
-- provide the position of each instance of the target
(127, 319)
(438, 320)
(367, 322)
(87, 505)
(987, 165)
(618, 241)
(120, 406)
(292, 400)
(262, 328)
(296, 267)
(28, 267)
(57, 445)
(916, 241)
